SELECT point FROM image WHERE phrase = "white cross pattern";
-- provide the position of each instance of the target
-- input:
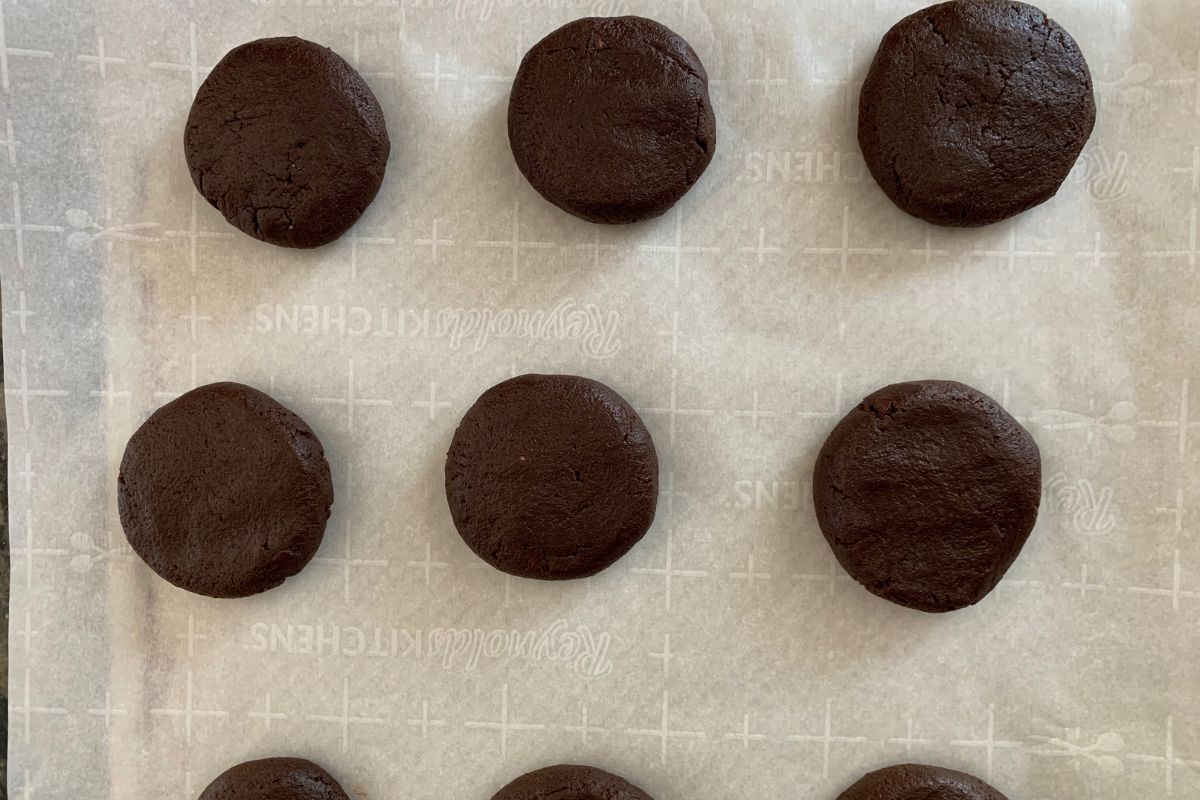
(1097, 254)
(761, 250)
(674, 410)
(437, 75)
(355, 240)
(1192, 253)
(827, 739)
(27, 710)
(754, 413)
(844, 251)
(191, 637)
(25, 393)
(189, 711)
(7, 52)
(433, 242)
(766, 81)
(1012, 254)
(677, 249)
(1169, 760)
(350, 401)
(27, 788)
(908, 740)
(425, 723)
(668, 572)
(193, 319)
(664, 732)
(505, 725)
(665, 656)
(193, 383)
(744, 735)
(1182, 425)
(834, 576)
(1176, 591)
(928, 250)
(108, 391)
(19, 227)
(100, 59)
(108, 711)
(1193, 169)
(347, 561)
(345, 719)
(267, 715)
(192, 67)
(596, 249)
(433, 404)
(515, 244)
(22, 313)
(27, 474)
(1083, 586)
(428, 565)
(1191, 80)
(356, 55)
(990, 744)
(844, 83)
(674, 333)
(27, 633)
(29, 550)
(193, 234)
(583, 728)
(749, 575)
(10, 143)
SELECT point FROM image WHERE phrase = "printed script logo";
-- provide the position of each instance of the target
(1089, 509)
(482, 10)
(463, 648)
(595, 330)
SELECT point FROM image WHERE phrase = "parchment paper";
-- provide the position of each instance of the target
(726, 656)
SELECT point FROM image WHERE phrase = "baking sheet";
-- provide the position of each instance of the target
(726, 655)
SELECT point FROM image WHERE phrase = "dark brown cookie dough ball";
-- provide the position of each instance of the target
(287, 141)
(919, 782)
(570, 782)
(610, 119)
(274, 779)
(926, 492)
(551, 477)
(224, 492)
(974, 110)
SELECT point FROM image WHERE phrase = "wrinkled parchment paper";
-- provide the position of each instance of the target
(727, 655)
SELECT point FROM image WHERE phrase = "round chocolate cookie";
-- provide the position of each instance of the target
(926, 493)
(287, 141)
(610, 120)
(551, 477)
(224, 492)
(974, 110)
(274, 779)
(570, 782)
(919, 782)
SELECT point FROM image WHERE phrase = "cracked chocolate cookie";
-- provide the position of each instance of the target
(570, 781)
(974, 110)
(911, 781)
(224, 492)
(551, 477)
(286, 140)
(926, 492)
(274, 779)
(610, 120)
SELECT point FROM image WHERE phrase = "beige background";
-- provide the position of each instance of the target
(726, 655)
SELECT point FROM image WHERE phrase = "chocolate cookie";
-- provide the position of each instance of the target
(224, 492)
(570, 782)
(274, 779)
(287, 141)
(551, 477)
(974, 110)
(926, 493)
(919, 782)
(610, 120)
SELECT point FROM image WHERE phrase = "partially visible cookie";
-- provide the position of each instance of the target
(287, 141)
(610, 119)
(274, 779)
(570, 782)
(551, 477)
(926, 492)
(974, 110)
(919, 782)
(224, 492)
